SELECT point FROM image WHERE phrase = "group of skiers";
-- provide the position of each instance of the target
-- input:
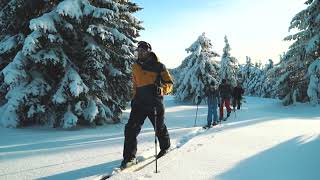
(220, 97)
(151, 81)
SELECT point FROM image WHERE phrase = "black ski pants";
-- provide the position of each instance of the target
(133, 127)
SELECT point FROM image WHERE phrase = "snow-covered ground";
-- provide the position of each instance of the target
(264, 140)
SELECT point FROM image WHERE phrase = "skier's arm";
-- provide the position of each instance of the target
(134, 83)
(167, 84)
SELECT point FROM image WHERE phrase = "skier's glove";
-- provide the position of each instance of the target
(158, 90)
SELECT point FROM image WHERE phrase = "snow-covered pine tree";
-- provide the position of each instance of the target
(229, 65)
(258, 64)
(14, 21)
(254, 78)
(264, 82)
(196, 71)
(269, 65)
(273, 75)
(244, 70)
(314, 83)
(73, 64)
(269, 81)
(296, 82)
(245, 75)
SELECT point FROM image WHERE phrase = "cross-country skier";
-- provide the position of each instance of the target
(151, 81)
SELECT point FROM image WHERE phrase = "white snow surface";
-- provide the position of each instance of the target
(264, 140)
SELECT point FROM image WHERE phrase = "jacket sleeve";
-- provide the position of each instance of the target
(167, 84)
(134, 82)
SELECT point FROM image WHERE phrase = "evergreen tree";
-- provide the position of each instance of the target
(258, 65)
(229, 65)
(265, 82)
(246, 69)
(196, 71)
(269, 65)
(255, 79)
(273, 76)
(314, 84)
(72, 65)
(14, 21)
(295, 83)
(269, 81)
(245, 74)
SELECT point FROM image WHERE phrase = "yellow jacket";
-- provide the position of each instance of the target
(145, 76)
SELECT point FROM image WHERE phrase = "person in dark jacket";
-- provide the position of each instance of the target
(212, 94)
(151, 81)
(225, 91)
(237, 96)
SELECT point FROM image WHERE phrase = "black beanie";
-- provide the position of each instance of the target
(144, 45)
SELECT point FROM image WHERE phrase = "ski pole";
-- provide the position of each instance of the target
(221, 106)
(195, 120)
(155, 137)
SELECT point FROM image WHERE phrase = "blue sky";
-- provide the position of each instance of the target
(255, 28)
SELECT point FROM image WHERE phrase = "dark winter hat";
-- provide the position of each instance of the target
(224, 80)
(144, 45)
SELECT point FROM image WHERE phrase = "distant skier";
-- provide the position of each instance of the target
(225, 91)
(212, 94)
(237, 96)
(151, 81)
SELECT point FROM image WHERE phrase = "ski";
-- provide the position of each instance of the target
(144, 162)
(134, 168)
(207, 127)
(141, 166)
(144, 165)
(224, 119)
(117, 170)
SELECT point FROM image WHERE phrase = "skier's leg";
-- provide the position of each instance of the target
(215, 114)
(132, 129)
(234, 102)
(162, 131)
(227, 102)
(239, 103)
(221, 108)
